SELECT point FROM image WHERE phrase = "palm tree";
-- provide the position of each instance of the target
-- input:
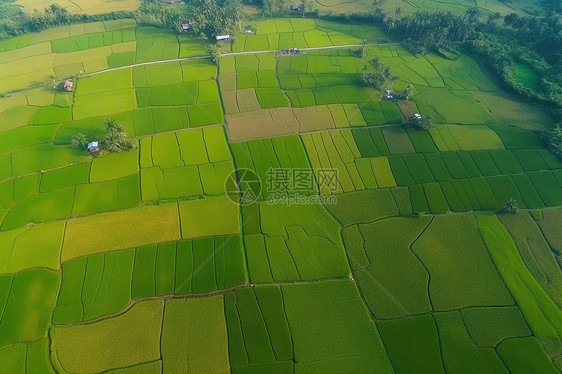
(115, 137)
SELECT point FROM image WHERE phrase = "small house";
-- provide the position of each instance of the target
(223, 38)
(296, 8)
(185, 26)
(93, 147)
(68, 85)
(417, 116)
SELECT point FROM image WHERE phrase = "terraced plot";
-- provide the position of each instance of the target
(153, 261)
(284, 244)
(103, 284)
(188, 163)
(281, 33)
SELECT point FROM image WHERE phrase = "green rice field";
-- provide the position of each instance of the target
(272, 215)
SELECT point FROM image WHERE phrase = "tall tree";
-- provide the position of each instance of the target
(216, 17)
(115, 137)
(80, 141)
(376, 75)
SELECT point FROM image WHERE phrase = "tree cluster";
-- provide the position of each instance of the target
(158, 14)
(114, 141)
(510, 206)
(499, 42)
(215, 17)
(421, 122)
(54, 15)
(376, 75)
(536, 42)
(406, 94)
(424, 31)
(553, 140)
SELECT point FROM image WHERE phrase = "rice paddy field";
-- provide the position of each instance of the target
(152, 261)
(408, 7)
(81, 6)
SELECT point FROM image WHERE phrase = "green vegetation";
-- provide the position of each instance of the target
(267, 208)
(543, 316)
(510, 206)
(377, 75)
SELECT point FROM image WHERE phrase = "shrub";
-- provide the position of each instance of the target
(553, 139)
(510, 206)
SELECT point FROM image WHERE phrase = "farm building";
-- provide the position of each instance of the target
(68, 85)
(93, 147)
(223, 38)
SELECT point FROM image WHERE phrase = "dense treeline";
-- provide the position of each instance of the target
(215, 17)
(54, 15)
(424, 31)
(206, 17)
(157, 13)
(499, 42)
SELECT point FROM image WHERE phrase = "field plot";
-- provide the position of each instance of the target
(83, 7)
(27, 357)
(104, 284)
(489, 326)
(409, 7)
(364, 206)
(194, 336)
(451, 286)
(284, 121)
(542, 314)
(31, 247)
(258, 330)
(93, 40)
(535, 253)
(331, 330)
(477, 180)
(108, 183)
(420, 351)
(322, 91)
(187, 163)
(336, 150)
(283, 243)
(548, 226)
(375, 253)
(27, 300)
(66, 51)
(146, 329)
(90, 90)
(463, 138)
(140, 229)
(278, 163)
(276, 34)
(140, 262)
(135, 345)
(459, 351)
(200, 218)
